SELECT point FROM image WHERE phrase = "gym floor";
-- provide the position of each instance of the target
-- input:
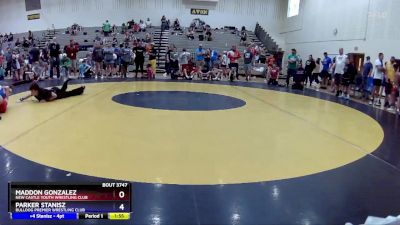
(210, 153)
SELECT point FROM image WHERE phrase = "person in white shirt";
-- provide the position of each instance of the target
(340, 63)
(184, 58)
(224, 64)
(142, 26)
(148, 23)
(378, 75)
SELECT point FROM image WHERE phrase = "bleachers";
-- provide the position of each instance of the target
(223, 40)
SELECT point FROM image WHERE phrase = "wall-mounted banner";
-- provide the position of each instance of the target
(203, 12)
(35, 16)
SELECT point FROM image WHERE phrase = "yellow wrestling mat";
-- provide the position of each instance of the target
(276, 135)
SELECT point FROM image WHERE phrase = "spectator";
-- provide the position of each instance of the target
(142, 26)
(340, 63)
(308, 70)
(168, 61)
(208, 34)
(117, 60)
(136, 27)
(85, 70)
(390, 95)
(397, 82)
(149, 38)
(298, 78)
(139, 51)
(109, 58)
(98, 57)
(367, 72)
(243, 37)
(349, 73)
(16, 65)
(214, 58)
(200, 53)
(25, 43)
(124, 28)
(72, 49)
(273, 73)
(17, 43)
(177, 25)
(30, 36)
(378, 76)
(2, 72)
(216, 72)
(54, 50)
(34, 55)
(164, 23)
(184, 59)
(316, 72)
(190, 34)
(174, 64)
(325, 73)
(150, 72)
(44, 57)
(207, 58)
(248, 62)
(152, 57)
(65, 65)
(106, 28)
(293, 65)
(97, 38)
(9, 60)
(234, 56)
(126, 59)
(10, 37)
(224, 64)
(148, 23)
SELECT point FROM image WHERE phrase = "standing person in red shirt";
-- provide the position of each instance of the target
(234, 56)
(72, 49)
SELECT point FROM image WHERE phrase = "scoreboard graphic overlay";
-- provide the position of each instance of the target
(62, 201)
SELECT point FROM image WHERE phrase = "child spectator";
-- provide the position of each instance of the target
(189, 70)
(85, 70)
(205, 72)
(150, 73)
(65, 65)
(273, 73)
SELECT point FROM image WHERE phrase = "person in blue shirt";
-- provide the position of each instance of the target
(200, 52)
(367, 71)
(214, 57)
(85, 69)
(326, 66)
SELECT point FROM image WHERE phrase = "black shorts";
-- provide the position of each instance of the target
(324, 74)
(346, 81)
(234, 65)
(377, 82)
(338, 78)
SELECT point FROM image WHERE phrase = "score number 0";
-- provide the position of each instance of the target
(121, 195)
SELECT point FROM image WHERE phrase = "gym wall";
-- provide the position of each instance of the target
(63, 13)
(363, 26)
